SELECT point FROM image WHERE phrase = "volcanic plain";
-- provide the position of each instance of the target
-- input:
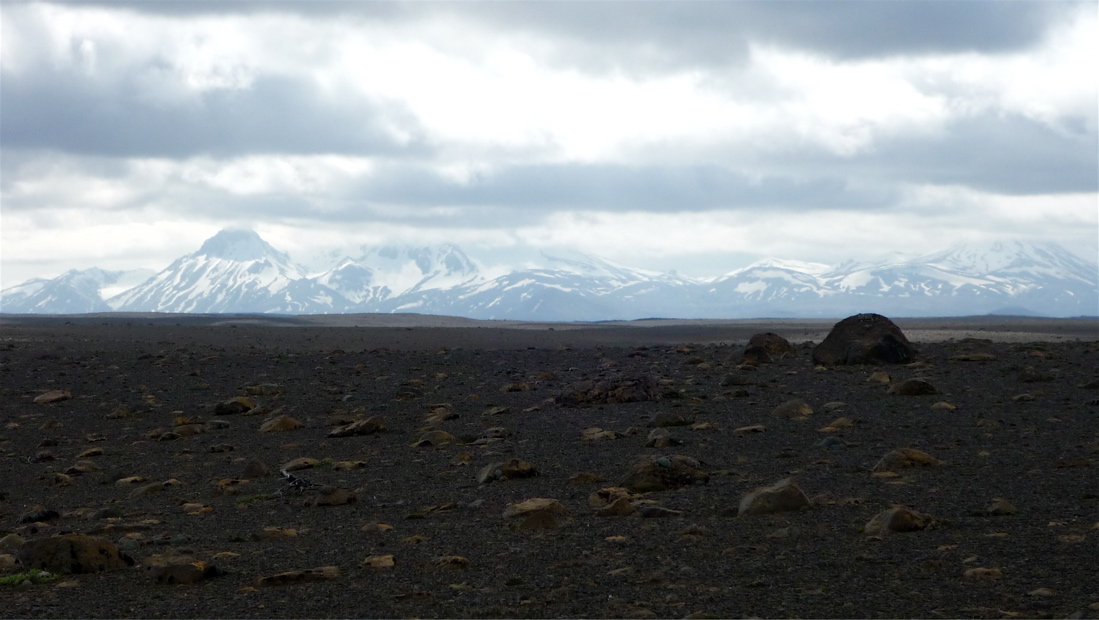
(171, 466)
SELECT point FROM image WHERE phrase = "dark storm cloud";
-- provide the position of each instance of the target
(68, 111)
(1006, 155)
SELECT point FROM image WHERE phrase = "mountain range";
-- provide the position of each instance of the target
(236, 271)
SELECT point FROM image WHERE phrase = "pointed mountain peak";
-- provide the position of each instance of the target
(238, 245)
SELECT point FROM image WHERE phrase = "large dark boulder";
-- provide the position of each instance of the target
(72, 554)
(609, 391)
(864, 339)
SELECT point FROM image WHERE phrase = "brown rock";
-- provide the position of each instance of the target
(235, 405)
(331, 496)
(324, 573)
(913, 387)
(794, 408)
(614, 390)
(776, 345)
(255, 469)
(53, 396)
(660, 438)
(864, 339)
(300, 463)
(72, 554)
(659, 473)
(754, 355)
(369, 426)
(511, 469)
(597, 434)
(903, 458)
(783, 496)
(1001, 507)
(435, 438)
(973, 357)
(280, 424)
(379, 561)
(898, 519)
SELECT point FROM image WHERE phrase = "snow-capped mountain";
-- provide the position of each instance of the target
(73, 292)
(233, 271)
(237, 271)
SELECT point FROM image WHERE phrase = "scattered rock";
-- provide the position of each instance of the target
(903, 458)
(864, 339)
(257, 469)
(973, 357)
(775, 345)
(153, 488)
(537, 513)
(280, 424)
(660, 438)
(331, 496)
(754, 355)
(435, 439)
(235, 405)
(783, 496)
(597, 434)
(659, 473)
(666, 419)
(300, 463)
(795, 408)
(746, 430)
(72, 554)
(1001, 507)
(983, 574)
(615, 390)
(912, 387)
(324, 573)
(52, 396)
(379, 561)
(879, 377)
(898, 519)
(514, 468)
(369, 426)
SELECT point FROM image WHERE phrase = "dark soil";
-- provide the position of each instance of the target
(130, 382)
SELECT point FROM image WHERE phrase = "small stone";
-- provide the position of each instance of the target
(597, 434)
(902, 458)
(280, 424)
(973, 357)
(1001, 507)
(898, 519)
(369, 426)
(943, 406)
(1041, 592)
(379, 561)
(450, 561)
(155, 487)
(659, 473)
(324, 573)
(880, 377)
(912, 387)
(660, 438)
(783, 496)
(235, 405)
(255, 469)
(435, 439)
(795, 408)
(983, 574)
(658, 512)
(300, 463)
(52, 396)
(332, 496)
(666, 419)
(745, 430)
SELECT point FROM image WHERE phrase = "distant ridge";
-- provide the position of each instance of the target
(236, 271)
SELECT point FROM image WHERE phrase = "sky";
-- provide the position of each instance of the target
(695, 136)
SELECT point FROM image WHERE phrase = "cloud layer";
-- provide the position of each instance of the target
(709, 132)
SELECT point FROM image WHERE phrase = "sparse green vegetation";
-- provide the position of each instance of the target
(257, 497)
(33, 576)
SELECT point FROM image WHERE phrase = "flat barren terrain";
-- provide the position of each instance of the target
(154, 448)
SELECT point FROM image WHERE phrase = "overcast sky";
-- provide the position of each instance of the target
(689, 135)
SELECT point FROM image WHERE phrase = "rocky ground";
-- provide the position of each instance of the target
(158, 449)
